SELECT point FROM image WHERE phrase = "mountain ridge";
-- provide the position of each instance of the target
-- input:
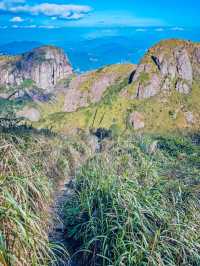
(160, 93)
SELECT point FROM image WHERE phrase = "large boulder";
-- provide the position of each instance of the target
(190, 118)
(29, 113)
(136, 120)
(45, 66)
(171, 64)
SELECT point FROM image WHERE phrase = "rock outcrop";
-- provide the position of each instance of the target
(90, 87)
(45, 66)
(30, 113)
(171, 64)
(136, 120)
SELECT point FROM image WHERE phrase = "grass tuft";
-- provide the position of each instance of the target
(136, 207)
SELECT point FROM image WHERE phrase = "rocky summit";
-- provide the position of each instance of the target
(171, 64)
(45, 66)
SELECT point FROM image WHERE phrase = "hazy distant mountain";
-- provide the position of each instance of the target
(91, 54)
(14, 48)
(91, 48)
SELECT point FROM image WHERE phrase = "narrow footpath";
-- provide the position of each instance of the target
(57, 231)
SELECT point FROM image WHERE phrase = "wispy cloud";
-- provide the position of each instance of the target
(48, 27)
(118, 18)
(159, 29)
(101, 33)
(67, 12)
(141, 30)
(16, 19)
(24, 26)
(177, 29)
(15, 1)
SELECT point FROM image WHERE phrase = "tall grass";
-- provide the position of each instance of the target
(135, 206)
(30, 166)
(24, 197)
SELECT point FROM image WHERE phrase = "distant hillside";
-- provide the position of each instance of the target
(16, 48)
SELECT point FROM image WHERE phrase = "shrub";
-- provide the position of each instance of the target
(176, 145)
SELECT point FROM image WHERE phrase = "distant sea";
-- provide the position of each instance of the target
(91, 48)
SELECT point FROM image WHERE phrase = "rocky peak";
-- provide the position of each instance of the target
(171, 64)
(44, 65)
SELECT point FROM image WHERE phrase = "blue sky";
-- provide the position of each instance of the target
(98, 13)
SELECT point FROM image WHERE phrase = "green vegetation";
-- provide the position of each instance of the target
(136, 204)
(24, 195)
(119, 70)
(32, 163)
(162, 113)
(8, 108)
(144, 78)
(27, 83)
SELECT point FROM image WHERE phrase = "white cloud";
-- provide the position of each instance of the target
(47, 9)
(2, 6)
(159, 29)
(48, 27)
(177, 29)
(117, 18)
(77, 16)
(14, 1)
(5, 4)
(30, 26)
(17, 1)
(24, 26)
(15, 26)
(16, 19)
(141, 30)
(101, 33)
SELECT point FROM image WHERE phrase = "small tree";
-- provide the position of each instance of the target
(8, 116)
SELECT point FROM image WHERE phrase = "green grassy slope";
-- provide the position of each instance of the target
(165, 112)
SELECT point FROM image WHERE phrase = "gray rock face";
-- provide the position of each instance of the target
(45, 66)
(76, 98)
(90, 87)
(150, 89)
(136, 120)
(182, 87)
(171, 64)
(184, 66)
(189, 116)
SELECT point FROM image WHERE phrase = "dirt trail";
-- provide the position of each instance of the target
(57, 232)
(63, 193)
